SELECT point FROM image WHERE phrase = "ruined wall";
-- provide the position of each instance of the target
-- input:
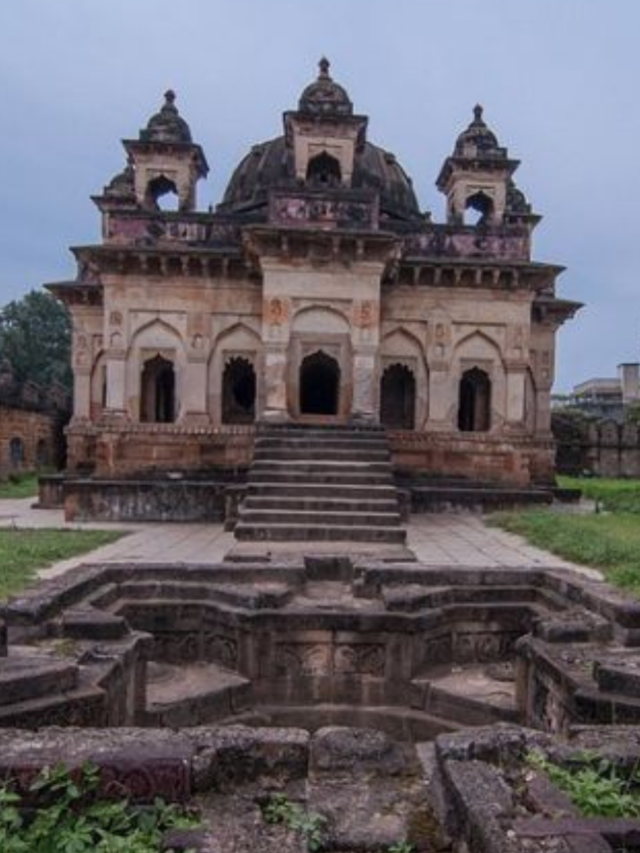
(29, 440)
(604, 448)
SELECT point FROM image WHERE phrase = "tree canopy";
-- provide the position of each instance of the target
(35, 338)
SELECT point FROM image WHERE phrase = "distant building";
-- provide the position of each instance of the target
(606, 397)
(31, 422)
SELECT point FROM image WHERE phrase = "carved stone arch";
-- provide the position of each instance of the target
(235, 394)
(478, 384)
(155, 367)
(404, 380)
(479, 335)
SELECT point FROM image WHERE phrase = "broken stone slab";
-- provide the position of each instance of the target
(341, 749)
(574, 626)
(618, 675)
(233, 755)
(138, 764)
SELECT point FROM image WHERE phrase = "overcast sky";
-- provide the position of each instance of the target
(558, 79)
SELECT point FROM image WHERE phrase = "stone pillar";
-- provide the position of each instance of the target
(364, 387)
(515, 406)
(193, 393)
(81, 393)
(275, 382)
(116, 385)
(441, 397)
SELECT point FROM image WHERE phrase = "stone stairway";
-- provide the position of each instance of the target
(312, 483)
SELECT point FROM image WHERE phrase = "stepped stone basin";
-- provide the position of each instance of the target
(410, 649)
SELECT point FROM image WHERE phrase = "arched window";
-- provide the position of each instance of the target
(478, 209)
(474, 408)
(16, 453)
(324, 170)
(398, 397)
(319, 385)
(161, 194)
(238, 392)
(157, 391)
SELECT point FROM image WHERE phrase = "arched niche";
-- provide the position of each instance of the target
(398, 397)
(17, 454)
(239, 344)
(158, 391)
(153, 346)
(478, 385)
(238, 391)
(323, 170)
(404, 381)
(474, 401)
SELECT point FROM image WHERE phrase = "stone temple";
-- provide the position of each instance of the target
(316, 292)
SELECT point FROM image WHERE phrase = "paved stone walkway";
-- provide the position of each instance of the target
(451, 539)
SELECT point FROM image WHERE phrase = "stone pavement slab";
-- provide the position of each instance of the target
(436, 539)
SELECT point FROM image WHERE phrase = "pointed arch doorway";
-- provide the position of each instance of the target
(319, 384)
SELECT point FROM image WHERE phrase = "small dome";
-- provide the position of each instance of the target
(167, 125)
(478, 140)
(122, 184)
(324, 96)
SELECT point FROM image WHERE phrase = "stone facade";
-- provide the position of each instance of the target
(316, 290)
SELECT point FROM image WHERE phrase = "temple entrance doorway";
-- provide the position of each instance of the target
(319, 385)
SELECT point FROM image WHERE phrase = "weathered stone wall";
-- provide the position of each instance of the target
(39, 435)
(605, 448)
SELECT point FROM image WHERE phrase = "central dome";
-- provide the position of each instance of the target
(270, 165)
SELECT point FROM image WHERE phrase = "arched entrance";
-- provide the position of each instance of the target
(157, 391)
(319, 385)
(474, 411)
(238, 392)
(398, 397)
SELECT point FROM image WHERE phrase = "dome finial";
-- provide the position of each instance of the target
(324, 65)
(169, 98)
(477, 113)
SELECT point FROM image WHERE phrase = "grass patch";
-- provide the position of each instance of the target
(20, 486)
(22, 552)
(607, 542)
(614, 495)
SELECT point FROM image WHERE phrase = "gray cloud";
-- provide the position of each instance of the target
(557, 79)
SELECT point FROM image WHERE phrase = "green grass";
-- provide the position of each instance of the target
(23, 552)
(614, 495)
(20, 486)
(610, 542)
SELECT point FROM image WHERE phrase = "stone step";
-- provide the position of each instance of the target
(321, 476)
(319, 430)
(25, 677)
(320, 453)
(318, 532)
(323, 466)
(307, 503)
(303, 441)
(309, 490)
(351, 519)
